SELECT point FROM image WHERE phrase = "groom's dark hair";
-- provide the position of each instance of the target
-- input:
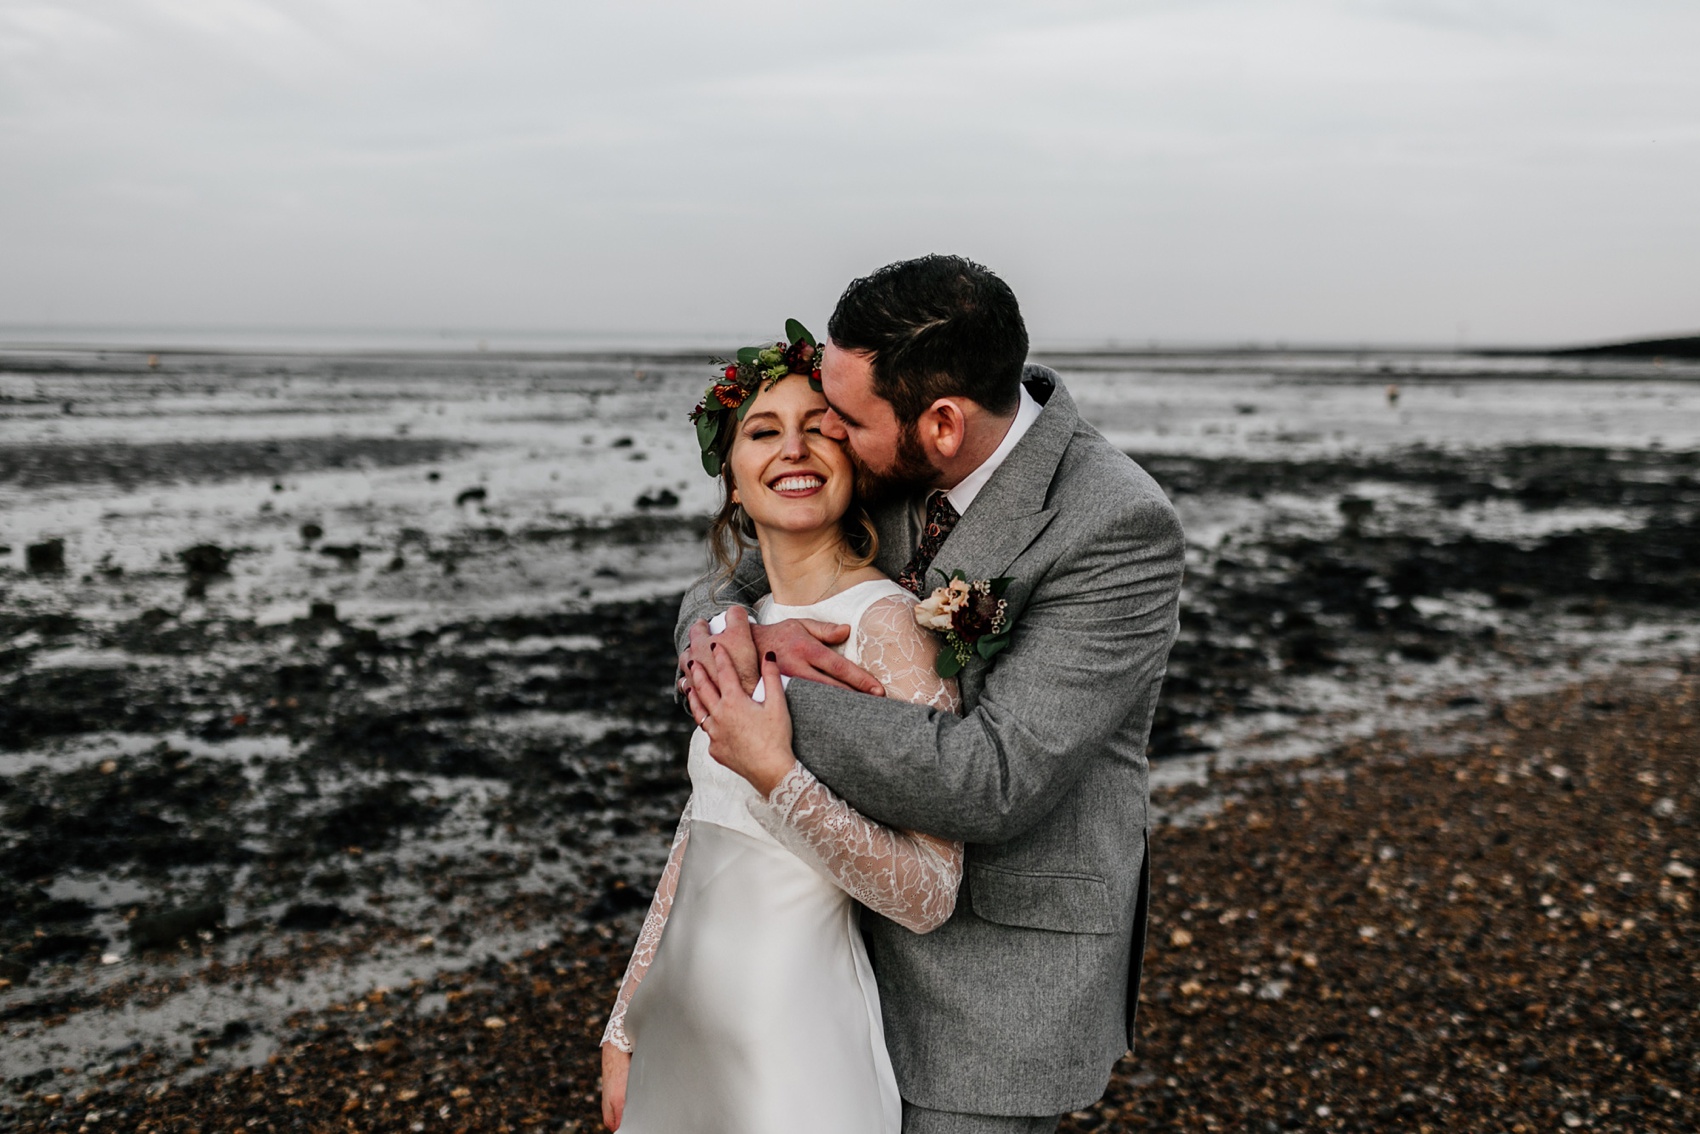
(937, 326)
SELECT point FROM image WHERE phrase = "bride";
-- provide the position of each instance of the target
(749, 1005)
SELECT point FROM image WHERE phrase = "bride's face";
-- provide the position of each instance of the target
(785, 473)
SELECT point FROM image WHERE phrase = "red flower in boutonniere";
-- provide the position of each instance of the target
(972, 615)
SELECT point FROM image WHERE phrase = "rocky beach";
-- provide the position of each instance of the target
(337, 749)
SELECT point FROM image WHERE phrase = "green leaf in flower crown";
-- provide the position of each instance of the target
(711, 462)
(991, 645)
(744, 406)
(948, 665)
(814, 384)
(795, 331)
(747, 355)
(708, 426)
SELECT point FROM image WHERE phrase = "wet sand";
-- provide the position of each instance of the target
(1492, 927)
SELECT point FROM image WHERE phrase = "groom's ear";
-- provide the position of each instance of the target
(944, 427)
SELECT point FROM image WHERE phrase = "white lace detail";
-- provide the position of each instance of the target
(907, 876)
(892, 647)
(643, 953)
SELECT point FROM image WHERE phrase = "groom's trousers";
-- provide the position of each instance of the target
(920, 1120)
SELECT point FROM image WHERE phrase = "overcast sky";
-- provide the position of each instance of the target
(1223, 170)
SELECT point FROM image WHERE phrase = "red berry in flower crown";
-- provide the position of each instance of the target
(732, 372)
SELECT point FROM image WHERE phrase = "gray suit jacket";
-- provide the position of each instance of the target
(1024, 1000)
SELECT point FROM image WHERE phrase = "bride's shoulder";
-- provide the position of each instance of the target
(888, 611)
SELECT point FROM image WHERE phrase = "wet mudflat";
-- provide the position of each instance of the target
(347, 674)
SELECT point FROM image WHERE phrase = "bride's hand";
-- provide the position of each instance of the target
(751, 738)
(615, 1065)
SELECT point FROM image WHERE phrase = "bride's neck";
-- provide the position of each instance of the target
(803, 567)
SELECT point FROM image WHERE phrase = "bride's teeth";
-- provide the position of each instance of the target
(797, 483)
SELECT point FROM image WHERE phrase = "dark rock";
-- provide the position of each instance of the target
(14, 970)
(665, 498)
(467, 495)
(617, 898)
(346, 553)
(313, 916)
(311, 532)
(165, 928)
(1356, 510)
(233, 1032)
(623, 443)
(58, 946)
(206, 559)
(433, 475)
(322, 612)
(45, 558)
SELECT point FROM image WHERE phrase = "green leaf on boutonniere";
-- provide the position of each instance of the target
(1000, 585)
(948, 665)
(795, 330)
(990, 646)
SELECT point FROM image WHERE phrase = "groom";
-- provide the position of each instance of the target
(1015, 1010)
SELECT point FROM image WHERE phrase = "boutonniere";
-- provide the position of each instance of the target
(972, 615)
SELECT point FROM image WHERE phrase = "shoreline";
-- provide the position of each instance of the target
(1444, 939)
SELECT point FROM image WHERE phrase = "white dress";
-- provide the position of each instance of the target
(755, 1012)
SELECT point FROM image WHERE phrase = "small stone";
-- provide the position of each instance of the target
(1273, 989)
(495, 1023)
(107, 767)
(1180, 939)
(1665, 808)
(1678, 869)
(45, 558)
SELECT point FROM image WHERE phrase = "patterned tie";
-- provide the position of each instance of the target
(941, 518)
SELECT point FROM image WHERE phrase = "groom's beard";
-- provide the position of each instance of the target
(909, 474)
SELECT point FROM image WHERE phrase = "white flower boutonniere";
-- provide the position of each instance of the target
(972, 615)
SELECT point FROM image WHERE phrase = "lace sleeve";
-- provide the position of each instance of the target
(643, 953)
(893, 648)
(907, 876)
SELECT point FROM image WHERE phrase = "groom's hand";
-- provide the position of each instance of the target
(802, 645)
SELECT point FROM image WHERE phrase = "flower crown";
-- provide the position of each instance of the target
(757, 368)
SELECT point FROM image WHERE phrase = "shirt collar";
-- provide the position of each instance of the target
(1026, 413)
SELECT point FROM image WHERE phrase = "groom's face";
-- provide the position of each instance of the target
(888, 455)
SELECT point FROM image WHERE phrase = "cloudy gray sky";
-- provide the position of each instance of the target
(1380, 170)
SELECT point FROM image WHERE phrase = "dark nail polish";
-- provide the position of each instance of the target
(770, 656)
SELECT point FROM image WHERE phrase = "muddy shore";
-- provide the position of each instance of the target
(1497, 935)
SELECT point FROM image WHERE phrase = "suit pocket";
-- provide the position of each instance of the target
(1031, 899)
